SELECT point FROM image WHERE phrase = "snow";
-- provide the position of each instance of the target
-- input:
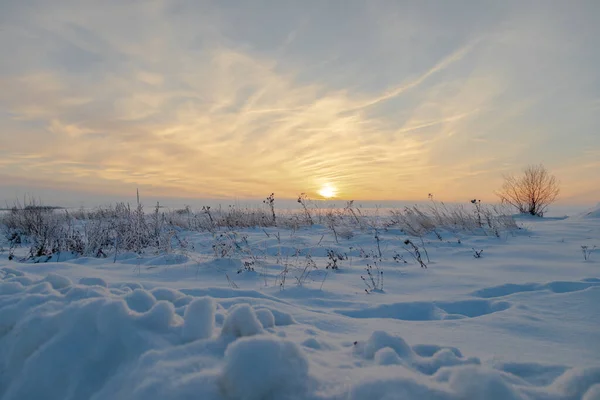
(593, 393)
(264, 366)
(57, 281)
(199, 319)
(521, 322)
(266, 317)
(241, 321)
(93, 282)
(593, 213)
(140, 300)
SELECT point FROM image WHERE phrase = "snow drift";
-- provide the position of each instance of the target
(593, 213)
(65, 340)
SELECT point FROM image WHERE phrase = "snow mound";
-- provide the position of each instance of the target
(593, 393)
(140, 300)
(281, 318)
(266, 317)
(259, 367)
(380, 340)
(593, 213)
(471, 382)
(57, 281)
(199, 319)
(93, 282)
(387, 356)
(387, 349)
(160, 317)
(166, 294)
(241, 321)
(575, 382)
(396, 383)
(89, 339)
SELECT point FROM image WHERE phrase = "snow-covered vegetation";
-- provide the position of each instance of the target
(428, 302)
(49, 232)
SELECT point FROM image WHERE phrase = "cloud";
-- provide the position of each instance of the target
(445, 63)
(191, 100)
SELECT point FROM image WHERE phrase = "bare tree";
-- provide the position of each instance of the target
(530, 193)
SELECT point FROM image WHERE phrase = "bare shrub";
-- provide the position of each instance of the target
(532, 192)
(374, 280)
(587, 252)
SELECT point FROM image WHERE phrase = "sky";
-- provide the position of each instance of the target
(371, 100)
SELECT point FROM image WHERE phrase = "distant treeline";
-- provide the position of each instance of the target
(34, 208)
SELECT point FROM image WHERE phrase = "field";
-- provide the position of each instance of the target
(430, 302)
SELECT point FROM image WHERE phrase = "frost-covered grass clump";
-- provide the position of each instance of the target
(49, 234)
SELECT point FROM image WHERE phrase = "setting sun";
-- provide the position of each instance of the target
(328, 191)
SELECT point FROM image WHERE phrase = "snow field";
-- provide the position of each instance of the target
(71, 341)
(522, 322)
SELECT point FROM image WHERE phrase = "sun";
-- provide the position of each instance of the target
(328, 191)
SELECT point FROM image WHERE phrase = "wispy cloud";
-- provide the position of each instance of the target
(181, 101)
(445, 63)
